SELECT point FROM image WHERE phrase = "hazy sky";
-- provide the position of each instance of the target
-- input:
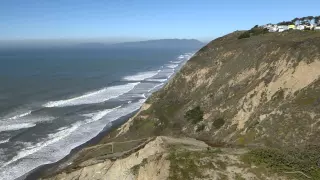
(122, 20)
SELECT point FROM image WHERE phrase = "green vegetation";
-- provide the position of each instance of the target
(218, 123)
(244, 35)
(188, 165)
(256, 30)
(200, 127)
(239, 177)
(285, 23)
(300, 163)
(194, 115)
(135, 169)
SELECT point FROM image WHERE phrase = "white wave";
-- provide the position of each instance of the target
(172, 66)
(19, 115)
(4, 141)
(176, 62)
(157, 80)
(52, 138)
(181, 57)
(97, 116)
(170, 74)
(185, 56)
(141, 76)
(62, 133)
(155, 87)
(12, 127)
(94, 97)
(54, 148)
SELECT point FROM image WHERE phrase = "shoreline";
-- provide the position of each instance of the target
(53, 167)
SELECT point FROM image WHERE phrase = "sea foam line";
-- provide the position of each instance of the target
(155, 87)
(172, 66)
(59, 135)
(99, 115)
(94, 97)
(20, 115)
(157, 80)
(141, 76)
(12, 127)
(54, 137)
(4, 141)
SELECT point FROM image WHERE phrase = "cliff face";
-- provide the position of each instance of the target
(256, 99)
(264, 90)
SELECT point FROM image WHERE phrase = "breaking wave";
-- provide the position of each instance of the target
(12, 127)
(19, 115)
(94, 97)
(141, 76)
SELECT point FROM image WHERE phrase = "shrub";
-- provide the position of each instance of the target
(200, 127)
(244, 35)
(290, 160)
(194, 115)
(218, 123)
(256, 30)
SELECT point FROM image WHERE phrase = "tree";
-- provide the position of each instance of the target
(316, 20)
(194, 115)
(302, 20)
(310, 18)
(296, 21)
(244, 35)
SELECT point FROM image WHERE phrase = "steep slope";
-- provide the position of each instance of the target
(263, 90)
(260, 94)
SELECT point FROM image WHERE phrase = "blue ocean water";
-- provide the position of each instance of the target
(55, 99)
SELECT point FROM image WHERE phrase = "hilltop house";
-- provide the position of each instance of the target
(304, 25)
(301, 27)
(282, 28)
(292, 26)
(271, 27)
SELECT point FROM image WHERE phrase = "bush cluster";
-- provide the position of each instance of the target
(256, 30)
(194, 115)
(305, 160)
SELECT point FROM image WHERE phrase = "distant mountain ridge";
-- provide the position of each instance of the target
(161, 43)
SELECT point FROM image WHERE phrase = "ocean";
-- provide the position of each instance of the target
(52, 100)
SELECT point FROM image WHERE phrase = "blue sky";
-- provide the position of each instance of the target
(126, 20)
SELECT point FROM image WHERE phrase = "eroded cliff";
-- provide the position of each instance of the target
(257, 100)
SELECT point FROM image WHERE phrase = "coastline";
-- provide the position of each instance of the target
(53, 167)
(47, 170)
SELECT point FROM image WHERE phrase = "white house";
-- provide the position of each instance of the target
(271, 27)
(301, 27)
(283, 28)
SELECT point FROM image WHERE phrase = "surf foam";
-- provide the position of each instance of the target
(157, 80)
(19, 115)
(141, 76)
(97, 116)
(4, 141)
(155, 87)
(94, 97)
(172, 66)
(52, 138)
(12, 127)
(77, 134)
